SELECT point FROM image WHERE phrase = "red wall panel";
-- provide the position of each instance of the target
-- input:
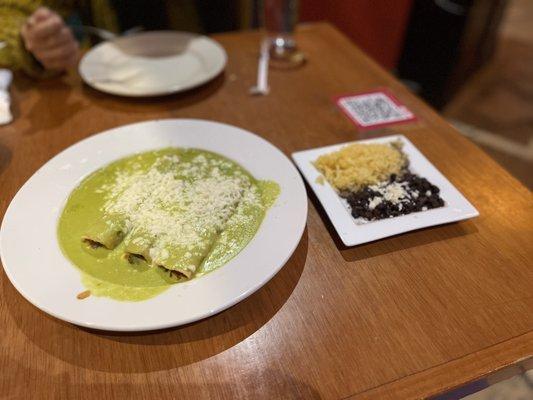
(377, 26)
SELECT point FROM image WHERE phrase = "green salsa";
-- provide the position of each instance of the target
(107, 272)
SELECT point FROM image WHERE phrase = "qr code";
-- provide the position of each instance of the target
(373, 109)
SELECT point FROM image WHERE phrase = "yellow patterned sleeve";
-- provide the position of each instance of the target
(13, 54)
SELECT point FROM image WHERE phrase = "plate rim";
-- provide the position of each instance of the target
(154, 93)
(199, 316)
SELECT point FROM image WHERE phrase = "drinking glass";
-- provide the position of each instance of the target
(280, 17)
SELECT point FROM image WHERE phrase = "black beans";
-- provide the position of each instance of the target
(420, 195)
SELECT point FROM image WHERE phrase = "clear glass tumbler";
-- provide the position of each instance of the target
(280, 17)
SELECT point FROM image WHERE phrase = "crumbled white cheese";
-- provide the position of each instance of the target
(179, 203)
(374, 202)
(393, 192)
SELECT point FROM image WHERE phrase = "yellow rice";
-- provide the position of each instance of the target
(358, 165)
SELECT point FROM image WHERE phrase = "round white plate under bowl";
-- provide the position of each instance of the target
(34, 263)
(152, 63)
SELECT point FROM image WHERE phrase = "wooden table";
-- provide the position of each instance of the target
(404, 317)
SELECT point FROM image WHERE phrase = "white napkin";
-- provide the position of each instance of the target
(6, 76)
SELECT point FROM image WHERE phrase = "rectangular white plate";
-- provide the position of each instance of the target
(352, 233)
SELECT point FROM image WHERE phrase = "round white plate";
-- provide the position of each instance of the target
(37, 268)
(152, 63)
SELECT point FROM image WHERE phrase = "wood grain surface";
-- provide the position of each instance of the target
(405, 317)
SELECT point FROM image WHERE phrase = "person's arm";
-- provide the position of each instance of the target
(36, 40)
(13, 54)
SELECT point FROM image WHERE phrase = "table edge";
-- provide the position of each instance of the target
(456, 372)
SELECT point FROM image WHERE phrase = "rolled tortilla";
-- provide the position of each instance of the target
(138, 244)
(183, 260)
(108, 233)
(180, 260)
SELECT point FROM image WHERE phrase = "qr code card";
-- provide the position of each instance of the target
(374, 109)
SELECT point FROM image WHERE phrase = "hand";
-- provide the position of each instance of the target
(47, 37)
